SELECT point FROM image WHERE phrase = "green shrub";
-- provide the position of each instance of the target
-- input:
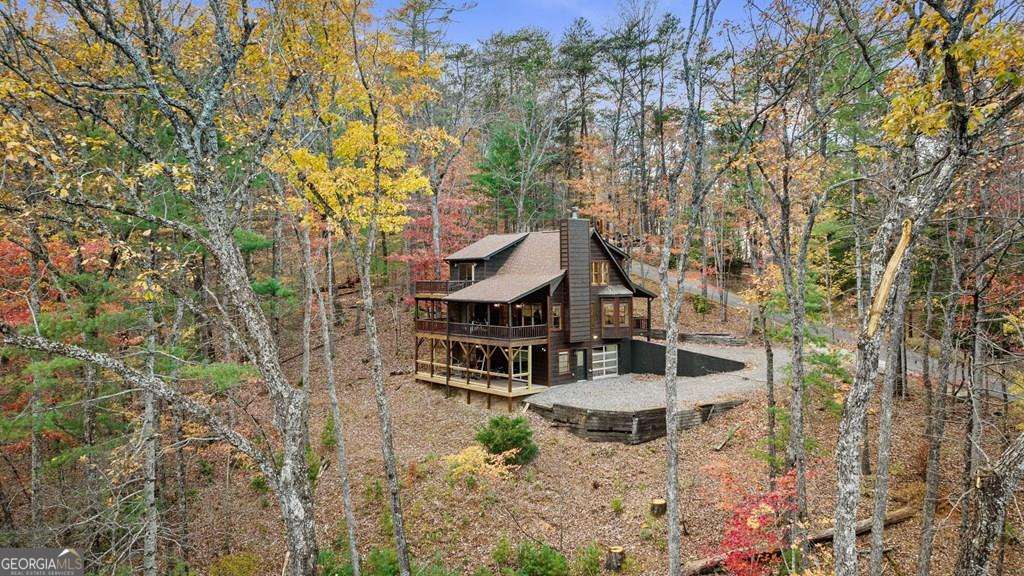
(435, 568)
(701, 305)
(502, 434)
(313, 471)
(502, 553)
(333, 564)
(379, 562)
(249, 241)
(259, 484)
(587, 561)
(382, 562)
(240, 564)
(617, 506)
(205, 469)
(540, 560)
(180, 568)
(327, 439)
(272, 287)
(386, 522)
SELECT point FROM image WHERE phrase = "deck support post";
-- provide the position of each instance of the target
(448, 368)
(487, 368)
(466, 356)
(416, 356)
(529, 366)
(510, 369)
(433, 343)
(649, 320)
(550, 350)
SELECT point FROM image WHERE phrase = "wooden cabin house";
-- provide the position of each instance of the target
(525, 311)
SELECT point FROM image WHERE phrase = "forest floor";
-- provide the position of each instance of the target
(573, 494)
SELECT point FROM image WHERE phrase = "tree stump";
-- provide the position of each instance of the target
(658, 507)
(616, 556)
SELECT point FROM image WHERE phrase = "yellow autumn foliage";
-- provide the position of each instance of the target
(358, 172)
(475, 462)
(989, 56)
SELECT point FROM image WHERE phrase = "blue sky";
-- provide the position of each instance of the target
(490, 16)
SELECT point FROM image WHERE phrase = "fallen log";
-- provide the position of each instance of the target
(712, 563)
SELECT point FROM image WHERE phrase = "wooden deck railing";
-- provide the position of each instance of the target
(483, 331)
(640, 323)
(612, 332)
(431, 326)
(440, 286)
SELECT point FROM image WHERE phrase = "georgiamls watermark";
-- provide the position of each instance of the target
(41, 562)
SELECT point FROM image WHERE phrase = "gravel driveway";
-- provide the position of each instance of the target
(630, 392)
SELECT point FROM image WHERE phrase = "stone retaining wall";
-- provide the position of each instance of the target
(633, 427)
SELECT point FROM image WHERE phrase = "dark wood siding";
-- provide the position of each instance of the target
(485, 268)
(575, 259)
(599, 334)
(597, 254)
(560, 338)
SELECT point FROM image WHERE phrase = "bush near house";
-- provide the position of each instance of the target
(503, 434)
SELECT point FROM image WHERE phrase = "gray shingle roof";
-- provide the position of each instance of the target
(612, 290)
(486, 247)
(533, 264)
(503, 287)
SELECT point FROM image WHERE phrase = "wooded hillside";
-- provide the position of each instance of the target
(213, 215)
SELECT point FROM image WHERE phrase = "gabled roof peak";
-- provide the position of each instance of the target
(486, 247)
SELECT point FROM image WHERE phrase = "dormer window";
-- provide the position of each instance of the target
(599, 273)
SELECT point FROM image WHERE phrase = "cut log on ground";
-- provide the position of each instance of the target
(615, 558)
(712, 563)
(658, 507)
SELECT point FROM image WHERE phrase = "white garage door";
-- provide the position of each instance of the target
(606, 361)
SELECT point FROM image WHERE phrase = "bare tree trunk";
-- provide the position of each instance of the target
(149, 433)
(326, 331)
(723, 301)
(936, 425)
(435, 230)
(851, 426)
(671, 309)
(861, 294)
(884, 443)
(277, 264)
(36, 412)
(383, 415)
(332, 281)
(796, 457)
(181, 484)
(307, 307)
(769, 363)
(995, 486)
(290, 480)
(977, 382)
